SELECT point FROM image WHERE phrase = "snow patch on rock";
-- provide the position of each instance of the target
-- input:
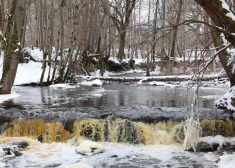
(62, 85)
(227, 100)
(95, 82)
(218, 139)
(88, 147)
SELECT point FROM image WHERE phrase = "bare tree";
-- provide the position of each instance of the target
(121, 19)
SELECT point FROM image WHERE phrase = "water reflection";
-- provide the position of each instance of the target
(110, 95)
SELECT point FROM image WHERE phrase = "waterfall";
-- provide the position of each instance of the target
(114, 130)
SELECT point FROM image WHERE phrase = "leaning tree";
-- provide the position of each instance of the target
(223, 22)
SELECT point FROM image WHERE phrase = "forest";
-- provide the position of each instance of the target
(83, 36)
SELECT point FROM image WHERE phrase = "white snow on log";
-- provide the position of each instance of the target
(88, 147)
(78, 165)
(95, 82)
(62, 85)
(114, 59)
(226, 100)
(218, 139)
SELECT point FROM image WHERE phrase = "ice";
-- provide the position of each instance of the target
(191, 132)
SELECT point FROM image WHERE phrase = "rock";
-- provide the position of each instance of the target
(10, 151)
(68, 125)
(206, 147)
(78, 165)
(88, 147)
(114, 156)
(21, 144)
(40, 138)
(4, 119)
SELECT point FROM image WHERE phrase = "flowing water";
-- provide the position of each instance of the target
(117, 113)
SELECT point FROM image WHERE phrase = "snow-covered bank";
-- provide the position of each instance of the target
(8, 96)
(28, 72)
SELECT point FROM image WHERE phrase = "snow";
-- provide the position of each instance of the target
(36, 53)
(154, 83)
(8, 96)
(95, 82)
(226, 100)
(2, 165)
(2, 153)
(218, 139)
(226, 6)
(227, 161)
(88, 147)
(63, 85)
(28, 73)
(210, 156)
(114, 59)
(78, 165)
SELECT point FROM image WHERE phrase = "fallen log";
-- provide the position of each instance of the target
(157, 78)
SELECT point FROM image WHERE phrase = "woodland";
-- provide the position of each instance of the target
(80, 36)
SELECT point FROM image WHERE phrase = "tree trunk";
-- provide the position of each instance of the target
(163, 34)
(121, 53)
(174, 39)
(11, 55)
(220, 17)
(222, 20)
(223, 56)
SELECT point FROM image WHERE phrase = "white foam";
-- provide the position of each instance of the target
(78, 165)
